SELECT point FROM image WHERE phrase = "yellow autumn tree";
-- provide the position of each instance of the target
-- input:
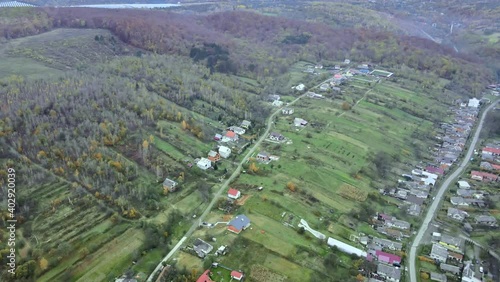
(184, 125)
(291, 186)
(145, 145)
(44, 264)
(253, 167)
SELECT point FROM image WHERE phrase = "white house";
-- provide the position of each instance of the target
(237, 130)
(299, 122)
(233, 193)
(474, 103)
(224, 152)
(300, 87)
(463, 184)
(287, 111)
(204, 163)
(277, 103)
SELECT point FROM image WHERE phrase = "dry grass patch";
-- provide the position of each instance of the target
(263, 274)
(352, 193)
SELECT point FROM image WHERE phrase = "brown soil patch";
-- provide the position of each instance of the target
(243, 199)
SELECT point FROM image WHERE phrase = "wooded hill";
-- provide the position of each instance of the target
(259, 46)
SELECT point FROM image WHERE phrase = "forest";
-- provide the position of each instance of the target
(260, 46)
(96, 130)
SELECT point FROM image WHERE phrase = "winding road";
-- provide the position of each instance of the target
(436, 203)
(224, 186)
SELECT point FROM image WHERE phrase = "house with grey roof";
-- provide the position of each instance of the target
(202, 248)
(385, 243)
(169, 185)
(458, 201)
(399, 224)
(486, 220)
(449, 268)
(457, 214)
(452, 243)
(414, 210)
(439, 277)
(389, 272)
(439, 253)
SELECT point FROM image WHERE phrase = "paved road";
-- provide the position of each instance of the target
(224, 186)
(436, 203)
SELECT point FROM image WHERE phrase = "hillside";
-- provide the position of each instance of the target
(102, 106)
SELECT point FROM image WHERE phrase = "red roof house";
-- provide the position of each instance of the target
(236, 275)
(205, 277)
(483, 176)
(387, 258)
(491, 151)
(233, 193)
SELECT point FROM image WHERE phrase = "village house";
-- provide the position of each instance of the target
(399, 224)
(458, 201)
(205, 277)
(273, 97)
(414, 210)
(387, 258)
(384, 243)
(300, 87)
(246, 124)
(263, 157)
(483, 176)
(236, 275)
(489, 166)
(452, 243)
(463, 184)
(204, 163)
(299, 122)
(450, 268)
(390, 273)
(457, 214)
(230, 136)
(455, 256)
(474, 103)
(213, 156)
(491, 151)
(202, 248)
(238, 224)
(169, 185)
(218, 137)
(287, 111)
(224, 152)
(486, 220)
(233, 194)
(439, 253)
(237, 130)
(438, 277)
(276, 136)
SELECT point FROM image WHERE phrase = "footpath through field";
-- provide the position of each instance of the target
(224, 186)
(436, 203)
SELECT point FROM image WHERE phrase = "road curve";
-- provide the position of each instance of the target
(224, 186)
(435, 204)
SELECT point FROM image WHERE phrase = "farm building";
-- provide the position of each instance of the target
(204, 163)
(346, 248)
(169, 185)
(474, 103)
(238, 224)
